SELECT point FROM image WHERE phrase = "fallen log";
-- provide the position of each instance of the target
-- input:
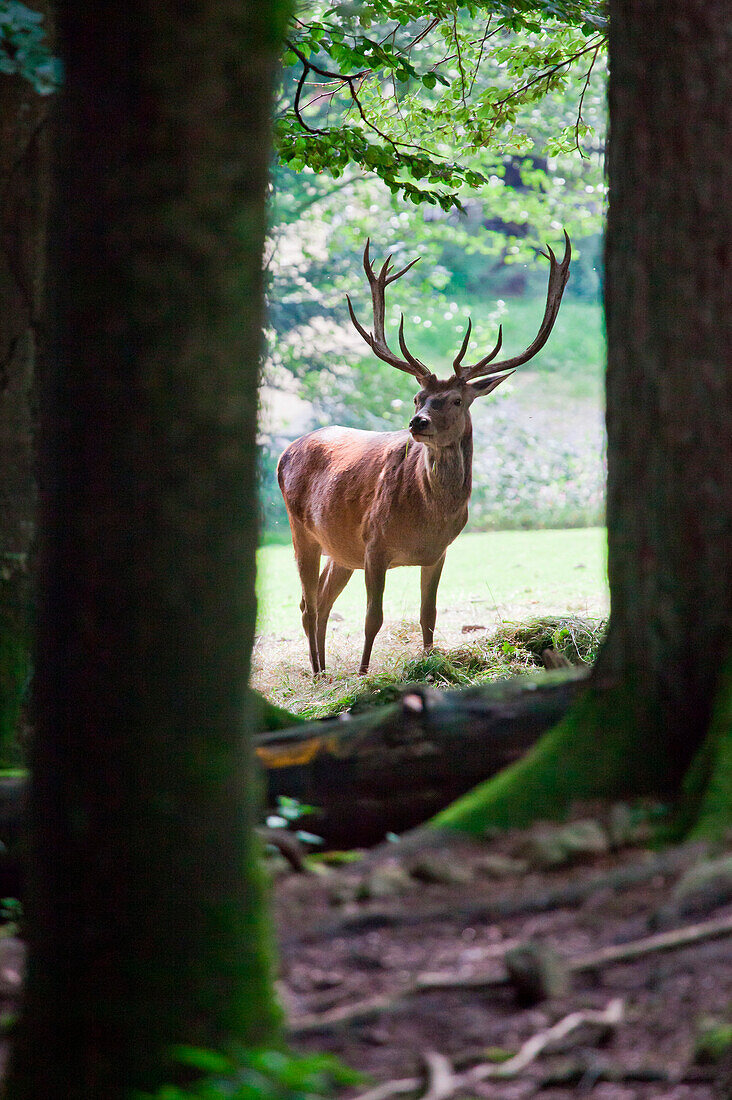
(383, 771)
(390, 769)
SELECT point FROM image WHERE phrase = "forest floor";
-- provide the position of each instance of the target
(396, 963)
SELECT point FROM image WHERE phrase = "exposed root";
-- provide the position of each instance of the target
(567, 895)
(443, 1082)
(347, 1015)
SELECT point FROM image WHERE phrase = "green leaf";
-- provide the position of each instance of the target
(208, 1061)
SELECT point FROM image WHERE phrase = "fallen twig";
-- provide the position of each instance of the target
(443, 1082)
(440, 1076)
(585, 1072)
(347, 1015)
(287, 844)
(608, 1018)
(663, 941)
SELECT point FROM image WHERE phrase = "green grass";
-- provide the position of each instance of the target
(494, 571)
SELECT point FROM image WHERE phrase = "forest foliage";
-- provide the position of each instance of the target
(469, 135)
(415, 93)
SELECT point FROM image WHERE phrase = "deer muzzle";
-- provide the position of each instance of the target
(420, 425)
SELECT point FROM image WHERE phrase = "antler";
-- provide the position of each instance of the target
(558, 275)
(377, 341)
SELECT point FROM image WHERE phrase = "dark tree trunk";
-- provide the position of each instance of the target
(658, 716)
(23, 205)
(145, 911)
(669, 383)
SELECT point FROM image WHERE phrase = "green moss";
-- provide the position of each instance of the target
(596, 751)
(272, 717)
(14, 674)
(713, 1042)
(706, 807)
(606, 747)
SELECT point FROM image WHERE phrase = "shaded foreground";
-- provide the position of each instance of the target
(355, 941)
(410, 963)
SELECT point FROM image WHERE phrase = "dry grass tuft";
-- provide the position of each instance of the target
(282, 675)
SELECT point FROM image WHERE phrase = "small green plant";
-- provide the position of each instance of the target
(255, 1075)
(11, 910)
(288, 811)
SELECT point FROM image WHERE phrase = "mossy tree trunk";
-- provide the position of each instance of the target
(145, 912)
(658, 715)
(23, 206)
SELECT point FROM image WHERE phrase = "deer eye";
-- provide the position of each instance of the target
(458, 401)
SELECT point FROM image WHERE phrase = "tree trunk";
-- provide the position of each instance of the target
(24, 189)
(145, 916)
(658, 715)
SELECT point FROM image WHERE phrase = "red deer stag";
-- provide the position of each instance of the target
(375, 500)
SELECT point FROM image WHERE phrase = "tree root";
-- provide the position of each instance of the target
(568, 895)
(345, 1016)
(443, 1082)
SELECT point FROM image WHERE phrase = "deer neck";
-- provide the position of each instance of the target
(448, 471)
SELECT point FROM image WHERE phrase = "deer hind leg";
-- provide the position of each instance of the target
(428, 612)
(333, 580)
(307, 557)
(375, 569)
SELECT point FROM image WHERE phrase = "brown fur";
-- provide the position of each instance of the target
(376, 500)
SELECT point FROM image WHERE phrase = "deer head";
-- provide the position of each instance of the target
(441, 406)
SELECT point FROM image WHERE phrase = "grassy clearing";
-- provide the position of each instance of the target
(494, 573)
(575, 352)
(491, 582)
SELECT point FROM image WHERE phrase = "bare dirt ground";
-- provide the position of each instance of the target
(339, 950)
(355, 942)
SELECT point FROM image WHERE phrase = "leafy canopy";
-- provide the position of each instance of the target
(24, 49)
(394, 87)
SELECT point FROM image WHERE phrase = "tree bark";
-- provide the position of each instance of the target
(24, 180)
(658, 714)
(145, 917)
(669, 384)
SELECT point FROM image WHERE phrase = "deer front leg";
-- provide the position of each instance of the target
(333, 580)
(375, 569)
(307, 557)
(428, 612)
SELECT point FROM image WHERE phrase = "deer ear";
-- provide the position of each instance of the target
(483, 386)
